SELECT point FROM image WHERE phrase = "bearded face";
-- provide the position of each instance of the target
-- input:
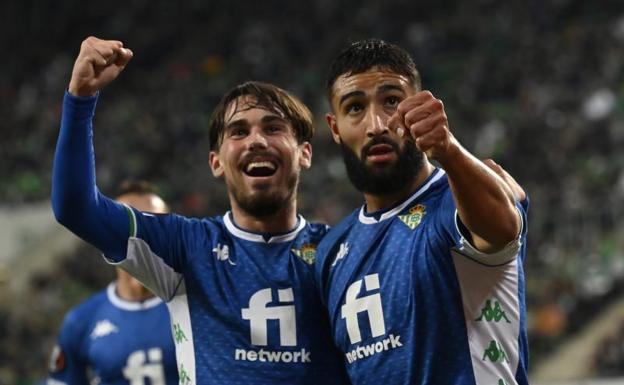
(384, 178)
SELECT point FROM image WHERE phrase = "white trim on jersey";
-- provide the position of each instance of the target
(152, 271)
(492, 316)
(368, 220)
(253, 237)
(506, 255)
(182, 332)
(149, 269)
(123, 304)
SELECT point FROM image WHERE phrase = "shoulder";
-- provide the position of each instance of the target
(80, 316)
(315, 231)
(187, 227)
(335, 235)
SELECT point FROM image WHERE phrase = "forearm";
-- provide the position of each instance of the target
(76, 201)
(484, 201)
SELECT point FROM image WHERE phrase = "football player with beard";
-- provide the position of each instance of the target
(424, 283)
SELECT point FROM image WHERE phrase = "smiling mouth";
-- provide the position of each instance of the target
(260, 168)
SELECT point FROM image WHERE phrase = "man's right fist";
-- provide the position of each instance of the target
(99, 63)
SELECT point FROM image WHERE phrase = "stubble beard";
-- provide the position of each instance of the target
(386, 179)
(263, 203)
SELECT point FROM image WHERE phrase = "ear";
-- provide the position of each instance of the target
(331, 122)
(215, 164)
(305, 155)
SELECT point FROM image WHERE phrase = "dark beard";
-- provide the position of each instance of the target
(264, 205)
(383, 180)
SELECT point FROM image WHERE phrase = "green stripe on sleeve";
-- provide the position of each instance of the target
(131, 221)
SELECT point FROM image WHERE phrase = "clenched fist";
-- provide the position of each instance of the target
(99, 63)
(423, 116)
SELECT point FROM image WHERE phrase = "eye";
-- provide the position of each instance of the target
(274, 129)
(354, 108)
(392, 101)
(237, 132)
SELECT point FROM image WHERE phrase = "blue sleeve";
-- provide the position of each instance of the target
(452, 226)
(76, 200)
(447, 221)
(79, 205)
(166, 235)
(68, 365)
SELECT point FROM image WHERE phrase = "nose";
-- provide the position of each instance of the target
(257, 140)
(376, 123)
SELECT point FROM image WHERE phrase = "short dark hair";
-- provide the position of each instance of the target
(363, 55)
(138, 187)
(269, 97)
(134, 186)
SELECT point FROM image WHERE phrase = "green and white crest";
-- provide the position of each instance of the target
(414, 216)
(307, 253)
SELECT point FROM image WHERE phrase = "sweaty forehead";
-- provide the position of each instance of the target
(367, 82)
(246, 106)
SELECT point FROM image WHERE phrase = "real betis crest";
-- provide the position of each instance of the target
(414, 216)
(307, 253)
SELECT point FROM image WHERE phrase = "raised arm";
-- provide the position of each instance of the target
(76, 201)
(484, 201)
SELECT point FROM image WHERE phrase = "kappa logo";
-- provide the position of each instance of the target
(492, 313)
(178, 334)
(414, 216)
(342, 252)
(495, 353)
(223, 253)
(183, 374)
(103, 328)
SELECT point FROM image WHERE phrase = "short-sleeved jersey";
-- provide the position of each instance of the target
(244, 306)
(110, 341)
(412, 302)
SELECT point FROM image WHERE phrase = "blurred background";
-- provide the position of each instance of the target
(536, 85)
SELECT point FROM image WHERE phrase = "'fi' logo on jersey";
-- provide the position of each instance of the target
(307, 253)
(414, 216)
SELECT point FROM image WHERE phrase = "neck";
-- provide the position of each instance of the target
(282, 221)
(385, 201)
(129, 289)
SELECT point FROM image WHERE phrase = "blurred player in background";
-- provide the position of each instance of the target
(424, 284)
(121, 335)
(239, 287)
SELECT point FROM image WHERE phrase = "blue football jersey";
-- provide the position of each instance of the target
(110, 341)
(411, 301)
(244, 306)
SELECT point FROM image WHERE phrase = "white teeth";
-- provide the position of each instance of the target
(265, 164)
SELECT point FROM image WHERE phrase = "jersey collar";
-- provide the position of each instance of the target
(130, 305)
(379, 216)
(262, 238)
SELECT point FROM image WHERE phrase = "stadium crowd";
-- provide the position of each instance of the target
(538, 86)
